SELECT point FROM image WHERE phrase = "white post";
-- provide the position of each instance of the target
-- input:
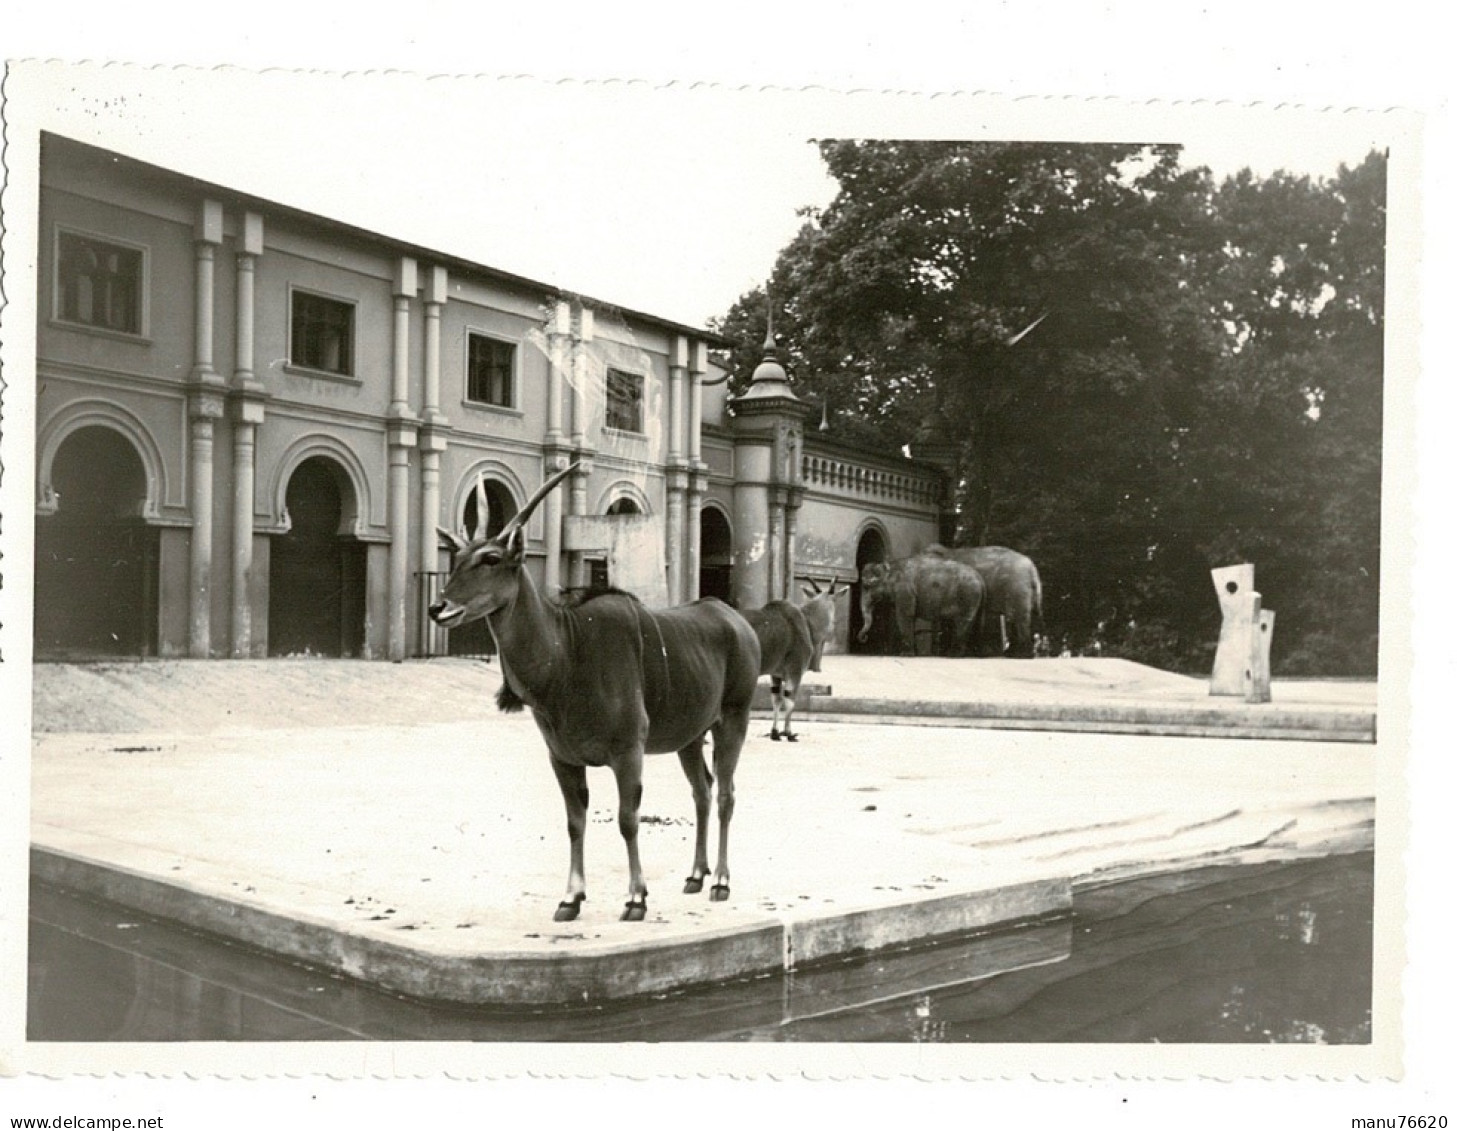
(1242, 659)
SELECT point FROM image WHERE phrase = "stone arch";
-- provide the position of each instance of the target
(96, 555)
(715, 552)
(495, 472)
(356, 505)
(107, 414)
(872, 543)
(621, 493)
(870, 532)
(317, 569)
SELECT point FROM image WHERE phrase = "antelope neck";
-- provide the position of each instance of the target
(528, 635)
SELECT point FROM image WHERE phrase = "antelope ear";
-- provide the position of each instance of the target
(516, 542)
(448, 541)
(808, 592)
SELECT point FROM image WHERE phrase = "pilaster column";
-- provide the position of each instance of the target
(577, 563)
(204, 405)
(699, 367)
(559, 346)
(794, 497)
(557, 458)
(433, 442)
(207, 235)
(250, 248)
(577, 572)
(406, 284)
(579, 381)
(697, 471)
(401, 440)
(559, 359)
(677, 371)
(676, 533)
(692, 560)
(247, 416)
(677, 468)
(776, 543)
(437, 288)
(401, 429)
(247, 402)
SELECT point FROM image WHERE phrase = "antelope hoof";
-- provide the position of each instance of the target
(774, 736)
(693, 885)
(635, 911)
(718, 893)
(568, 909)
(790, 737)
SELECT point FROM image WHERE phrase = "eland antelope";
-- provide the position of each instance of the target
(785, 651)
(608, 681)
(819, 614)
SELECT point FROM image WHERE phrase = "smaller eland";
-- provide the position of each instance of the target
(785, 651)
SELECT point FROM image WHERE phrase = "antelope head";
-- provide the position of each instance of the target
(814, 589)
(485, 573)
(819, 610)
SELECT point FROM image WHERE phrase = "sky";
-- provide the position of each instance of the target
(670, 200)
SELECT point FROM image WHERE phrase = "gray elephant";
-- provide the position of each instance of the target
(1012, 601)
(924, 587)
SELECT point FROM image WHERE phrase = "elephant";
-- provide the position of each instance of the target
(923, 587)
(1013, 597)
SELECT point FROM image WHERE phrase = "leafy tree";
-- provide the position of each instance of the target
(1143, 374)
(1286, 468)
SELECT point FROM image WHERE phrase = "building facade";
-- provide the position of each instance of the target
(252, 419)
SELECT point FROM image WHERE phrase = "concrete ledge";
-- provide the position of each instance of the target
(1233, 721)
(545, 976)
(878, 928)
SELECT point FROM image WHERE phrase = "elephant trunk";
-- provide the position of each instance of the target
(867, 615)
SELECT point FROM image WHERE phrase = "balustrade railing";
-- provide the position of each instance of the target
(847, 477)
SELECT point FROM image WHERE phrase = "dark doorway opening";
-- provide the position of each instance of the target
(881, 641)
(475, 639)
(95, 557)
(715, 555)
(316, 573)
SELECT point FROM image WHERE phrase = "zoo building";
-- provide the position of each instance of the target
(251, 419)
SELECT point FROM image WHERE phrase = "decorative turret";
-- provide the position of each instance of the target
(768, 428)
(770, 381)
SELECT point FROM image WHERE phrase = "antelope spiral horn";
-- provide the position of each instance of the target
(521, 516)
(483, 509)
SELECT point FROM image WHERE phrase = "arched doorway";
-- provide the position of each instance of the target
(872, 548)
(95, 557)
(475, 639)
(316, 572)
(715, 555)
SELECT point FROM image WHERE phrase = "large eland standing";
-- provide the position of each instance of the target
(608, 681)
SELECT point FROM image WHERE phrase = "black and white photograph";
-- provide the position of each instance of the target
(510, 576)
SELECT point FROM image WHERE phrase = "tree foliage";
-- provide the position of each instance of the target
(1144, 373)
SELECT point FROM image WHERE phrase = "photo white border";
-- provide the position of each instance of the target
(892, 114)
